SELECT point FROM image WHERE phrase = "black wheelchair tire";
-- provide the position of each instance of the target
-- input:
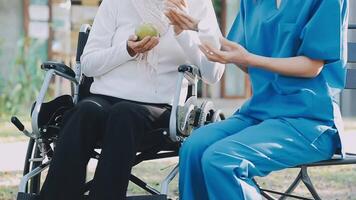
(35, 183)
(28, 156)
(222, 116)
(32, 152)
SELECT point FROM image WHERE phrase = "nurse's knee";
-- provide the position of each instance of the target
(219, 158)
(195, 145)
(211, 158)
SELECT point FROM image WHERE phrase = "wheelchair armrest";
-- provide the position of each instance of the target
(191, 72)
(52, 68)
(60, 69)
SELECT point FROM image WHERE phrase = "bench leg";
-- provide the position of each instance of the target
(308, 183)
(267, 196)
(292, 187)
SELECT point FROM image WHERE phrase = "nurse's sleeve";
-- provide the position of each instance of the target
(237, 31)
(321, 37)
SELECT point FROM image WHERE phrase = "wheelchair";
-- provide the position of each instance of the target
(47, 119)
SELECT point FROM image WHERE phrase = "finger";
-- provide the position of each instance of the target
(176, 26)
(184, 3)
(213, 52)
(203, 49)
(170, 17)
(142, 43)
(184, 16)
(185, 20)
(170, 5)
(213, 49)
(207, 46)
(152, 43)
(225, 48)
(213, 57)
(175, 4)
(227, 43)
(174, 20)
(133, 38)
(184, 24)
(139, 44)
(216, 58)
(207, 53)
(181, 13)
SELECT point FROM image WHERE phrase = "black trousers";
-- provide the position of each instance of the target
(120, 125)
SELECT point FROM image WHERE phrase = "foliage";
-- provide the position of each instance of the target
(24, 79)
(218, 9)
(1, 43)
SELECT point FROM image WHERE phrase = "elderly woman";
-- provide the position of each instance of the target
(294, 53)
(133, 88)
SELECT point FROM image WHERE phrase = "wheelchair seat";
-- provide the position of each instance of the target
(51, 114)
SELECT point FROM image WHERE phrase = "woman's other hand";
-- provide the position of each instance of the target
(181, 4)
(180, 19)
(135, 47)
(230, 52)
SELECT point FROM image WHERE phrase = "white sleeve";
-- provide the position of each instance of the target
(208, 30)
(100, 54)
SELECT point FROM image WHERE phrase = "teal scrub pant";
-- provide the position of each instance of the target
(218, 161)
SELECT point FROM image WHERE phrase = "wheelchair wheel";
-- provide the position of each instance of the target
(30, 145)
(206, 113)
(35, 184)
(32, 152)
(217, 116)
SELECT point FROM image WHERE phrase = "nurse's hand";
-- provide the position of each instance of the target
(230, 52)
(135, 47)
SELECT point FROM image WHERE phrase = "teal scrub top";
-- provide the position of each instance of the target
(311, 28)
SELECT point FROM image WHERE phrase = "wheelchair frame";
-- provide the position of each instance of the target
(41, 149)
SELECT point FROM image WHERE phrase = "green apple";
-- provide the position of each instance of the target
(146, 29)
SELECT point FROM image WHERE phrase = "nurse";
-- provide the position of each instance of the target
(295, 53)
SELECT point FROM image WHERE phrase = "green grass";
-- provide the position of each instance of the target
(8, 192)
(8, 185)
(337, 182)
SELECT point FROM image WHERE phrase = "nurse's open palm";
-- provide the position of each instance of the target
(230, 52)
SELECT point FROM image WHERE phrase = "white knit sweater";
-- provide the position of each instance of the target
(117, 74)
